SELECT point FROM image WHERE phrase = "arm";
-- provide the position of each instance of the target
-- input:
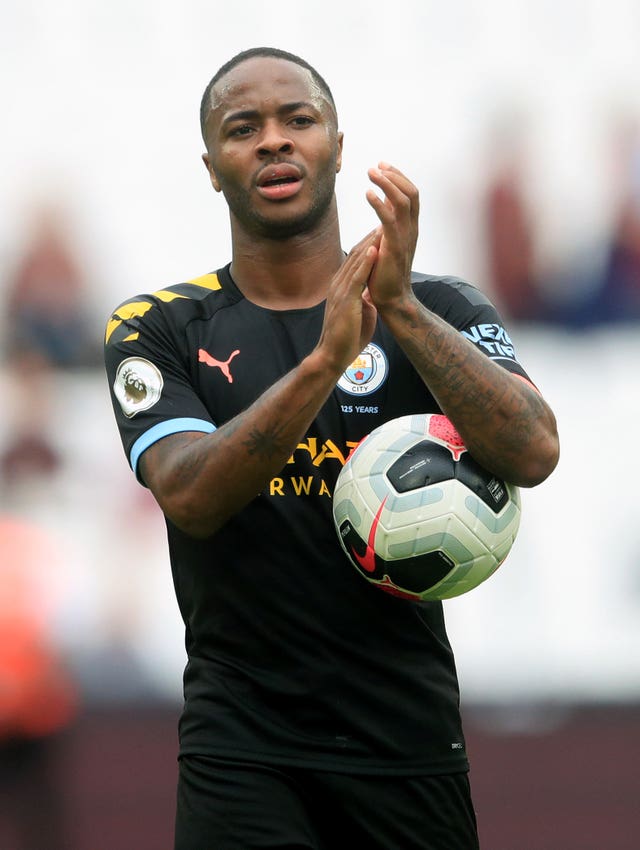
(505, 423)
(201, 480)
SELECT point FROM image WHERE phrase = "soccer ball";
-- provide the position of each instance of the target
(417, 516)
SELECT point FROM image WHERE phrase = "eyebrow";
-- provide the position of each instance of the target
(285, 109)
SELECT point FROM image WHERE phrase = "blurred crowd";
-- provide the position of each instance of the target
(47, 673)
(586, 286)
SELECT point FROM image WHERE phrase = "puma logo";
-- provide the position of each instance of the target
(223, 365)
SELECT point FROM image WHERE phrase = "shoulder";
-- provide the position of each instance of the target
(455, 300)
(174, 304)
(447, 288)
(470, 311)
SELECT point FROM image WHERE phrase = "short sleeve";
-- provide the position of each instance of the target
(151, 390)
(469, 310)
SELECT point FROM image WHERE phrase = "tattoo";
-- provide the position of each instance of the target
(200, 480)
(267, 444)
(188, 466)
(498, 418)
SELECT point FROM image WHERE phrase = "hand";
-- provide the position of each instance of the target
(398, 214)
(350, 317)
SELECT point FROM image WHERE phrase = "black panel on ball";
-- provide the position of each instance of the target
(492, 490)
(423, 464)
(415, 574)
(419, 573)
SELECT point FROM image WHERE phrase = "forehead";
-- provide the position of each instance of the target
(267, 79)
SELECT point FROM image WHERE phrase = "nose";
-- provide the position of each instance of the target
(273, 140)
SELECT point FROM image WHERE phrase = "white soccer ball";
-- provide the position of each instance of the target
(417, 516)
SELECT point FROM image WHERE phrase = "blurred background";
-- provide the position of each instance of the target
(519, 120)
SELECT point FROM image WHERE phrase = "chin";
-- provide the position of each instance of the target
(284, 219)
(285, 227)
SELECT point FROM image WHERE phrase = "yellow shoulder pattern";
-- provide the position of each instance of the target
(208, 281)
(133, 309)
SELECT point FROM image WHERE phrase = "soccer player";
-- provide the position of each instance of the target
(320, 712)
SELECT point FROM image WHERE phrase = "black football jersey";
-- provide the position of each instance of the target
(293, 658)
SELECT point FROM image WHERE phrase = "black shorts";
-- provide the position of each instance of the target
(224, 805)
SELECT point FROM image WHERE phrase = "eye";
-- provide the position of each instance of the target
(302, 121)
(241, 130)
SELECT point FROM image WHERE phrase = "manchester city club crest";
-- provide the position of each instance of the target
(367, 372)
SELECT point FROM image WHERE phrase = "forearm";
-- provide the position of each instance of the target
(506, 425)
(202, 480)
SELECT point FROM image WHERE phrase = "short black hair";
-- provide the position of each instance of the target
(270, 52)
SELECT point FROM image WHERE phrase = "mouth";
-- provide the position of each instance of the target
(277, 182)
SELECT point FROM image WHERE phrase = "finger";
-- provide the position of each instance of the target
(366, 265)
(372, 238)
(385, 182)
(369, 316)
(396, 201)
(366, 296)
(397, 177)
(355, 272)
(383, 210)
(394, 213)
(396, 186)
(383, 165)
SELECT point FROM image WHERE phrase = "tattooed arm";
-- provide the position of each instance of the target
(200, 480)
(505, 423)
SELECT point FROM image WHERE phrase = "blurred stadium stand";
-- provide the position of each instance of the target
(570, 784)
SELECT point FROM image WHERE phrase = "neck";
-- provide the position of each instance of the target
(288, 273)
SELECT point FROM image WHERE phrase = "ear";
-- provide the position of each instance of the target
(212, 174)
(339, 157)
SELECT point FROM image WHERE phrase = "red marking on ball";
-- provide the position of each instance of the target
(443, 429)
